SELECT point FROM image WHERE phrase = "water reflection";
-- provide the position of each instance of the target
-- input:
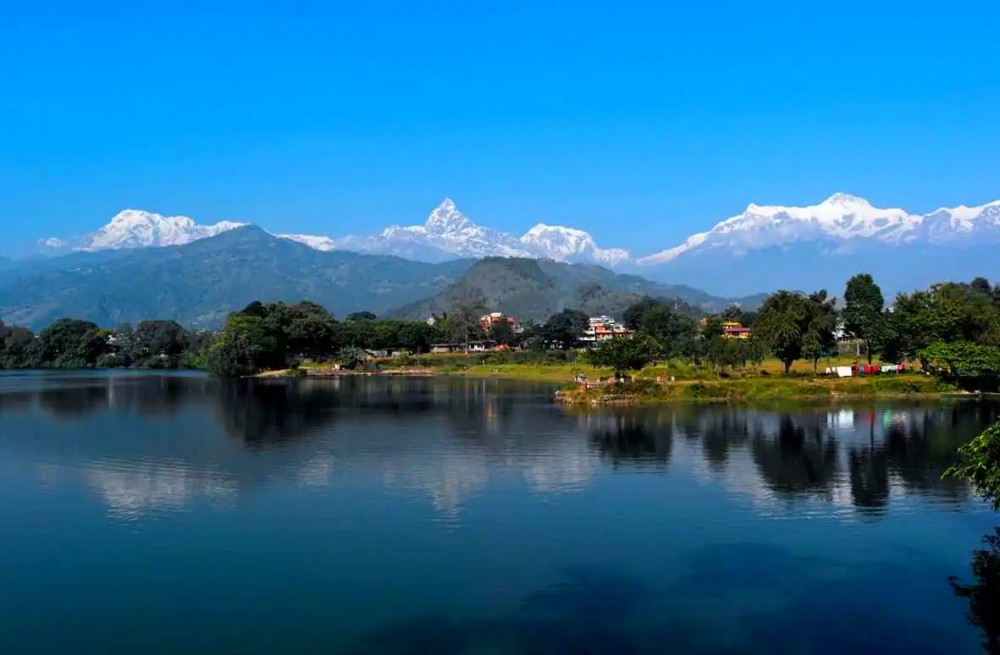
(629, 440)
(148, 443)
(983, 593)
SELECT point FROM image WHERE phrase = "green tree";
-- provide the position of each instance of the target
(462, 325)
(979, 464)
(982, 286)
(92, 347)
(243, 347)
(863, 312)
(818, 341)
(565, 328)
(624, 355)
(160, 343)
(971, 365)
(59, 345)
(361, 316)
(503, 333)
(673, 331)
(781, 325)
(351, 357)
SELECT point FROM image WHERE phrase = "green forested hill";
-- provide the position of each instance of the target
(536, 289)
(198, 284)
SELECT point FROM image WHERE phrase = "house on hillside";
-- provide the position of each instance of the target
(734, 330)
(730, 329)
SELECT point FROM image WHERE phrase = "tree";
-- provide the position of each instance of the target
(93, 346)
(818, 340)
(58, 346)
(160, 343)
(243, 347)
(624, 355)
(781, 325)
(863, 317)
(565, 328)
(351, 357)
(502, 332)
(674, 332)
(361, 316)
(462, 324)
(979, 463)
(982, 285)
(970, 365)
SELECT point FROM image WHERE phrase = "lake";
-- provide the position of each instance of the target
(146, 513)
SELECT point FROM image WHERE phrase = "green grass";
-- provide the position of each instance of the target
(645, 390)
(653, 385)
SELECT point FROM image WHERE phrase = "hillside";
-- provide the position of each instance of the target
(199, 283)
(536, 289)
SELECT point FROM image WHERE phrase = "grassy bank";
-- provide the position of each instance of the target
(648, 391)
(666, 382)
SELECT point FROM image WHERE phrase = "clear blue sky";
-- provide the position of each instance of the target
(640, 122)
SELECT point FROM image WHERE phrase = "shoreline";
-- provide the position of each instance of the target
(735, 391)
(650, 391)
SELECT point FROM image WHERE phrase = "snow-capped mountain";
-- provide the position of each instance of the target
(841, 221)
(763, 247)
(820, 246)
(566, 244)
(133, 228)
(449, 233)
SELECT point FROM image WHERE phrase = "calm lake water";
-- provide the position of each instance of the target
(180, 514)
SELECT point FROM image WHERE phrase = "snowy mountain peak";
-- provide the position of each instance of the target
(567, 244)
(845, 201)
(541, 229)
(840, 220)
(446, 218)
(134, 228)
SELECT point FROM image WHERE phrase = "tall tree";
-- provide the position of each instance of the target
(462, 325)
(674, 332)
(863, 312)
(503, 333)
(781, 325)
(818, 340)
(565, 328)
(982, 285)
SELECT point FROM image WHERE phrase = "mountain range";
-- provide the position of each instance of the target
(199, 282)
(763, 247)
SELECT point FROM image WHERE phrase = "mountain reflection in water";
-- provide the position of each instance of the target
(157, 442)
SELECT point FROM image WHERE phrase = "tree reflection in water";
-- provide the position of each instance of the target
(984, 593)
(628, 440)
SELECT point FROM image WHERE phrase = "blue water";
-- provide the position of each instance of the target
(179, 514)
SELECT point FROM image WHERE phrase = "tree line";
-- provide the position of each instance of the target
(70, 343)
(952, 328)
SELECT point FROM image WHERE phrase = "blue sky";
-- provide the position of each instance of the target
(641, 122)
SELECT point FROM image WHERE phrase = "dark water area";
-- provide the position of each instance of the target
(180, 514)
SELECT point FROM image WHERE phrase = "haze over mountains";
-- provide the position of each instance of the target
(765, 247)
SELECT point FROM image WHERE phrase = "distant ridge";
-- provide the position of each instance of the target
(199, 283)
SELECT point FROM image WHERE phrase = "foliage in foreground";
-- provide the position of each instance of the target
(979, 463)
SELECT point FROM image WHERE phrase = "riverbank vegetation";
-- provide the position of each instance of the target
(951, 330)
(70, 344)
